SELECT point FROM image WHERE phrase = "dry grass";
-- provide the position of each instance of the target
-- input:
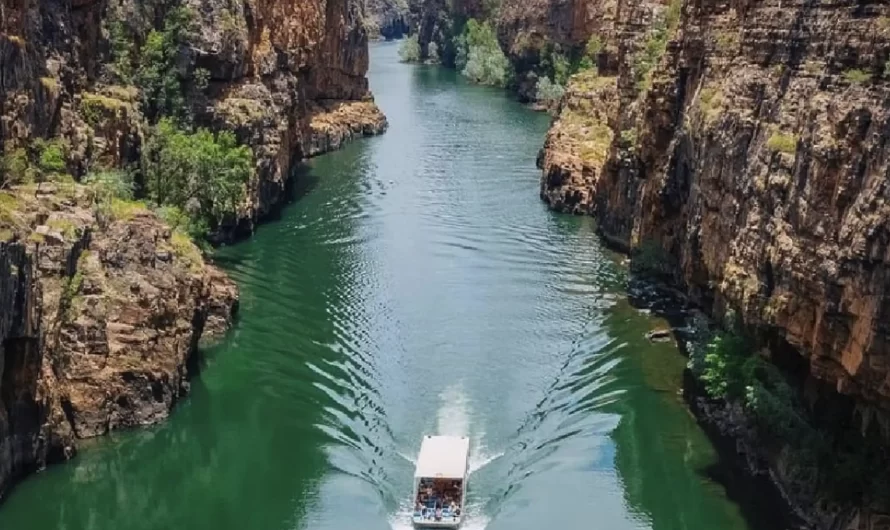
(857, 76)
(186, 250)
(710, 103)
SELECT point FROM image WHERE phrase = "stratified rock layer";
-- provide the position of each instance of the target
(754, 157)
(99, 318)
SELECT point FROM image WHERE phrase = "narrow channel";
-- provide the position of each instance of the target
(416, 285)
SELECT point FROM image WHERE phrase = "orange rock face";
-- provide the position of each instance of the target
(755, 155)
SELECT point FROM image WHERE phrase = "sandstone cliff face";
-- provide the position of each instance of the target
(387, 19)
(100, 313)
(754, 157)
(287, 77)
(100, 316)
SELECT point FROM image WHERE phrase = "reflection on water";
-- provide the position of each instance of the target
(417, 285)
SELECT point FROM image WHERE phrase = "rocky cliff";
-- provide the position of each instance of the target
(287, 77)
(387, 19)
(743, 145)
(101, 303)
(100, 316)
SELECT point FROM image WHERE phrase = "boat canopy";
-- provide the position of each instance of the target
(443, 457)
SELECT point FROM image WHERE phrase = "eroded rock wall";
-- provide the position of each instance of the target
(753, 157)
(289, 78)
(101, 312)
(100, 317)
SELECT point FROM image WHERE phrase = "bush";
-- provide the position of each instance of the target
(50, 156)
(182, 222)
(724, 369)
(199, 173)
(409, 51)
(548, 92)
(591, 54)
(15, 168)
(108, 185)
(656, 44)
(857, 76)
(479, 56)
(158, 74)
(432, 53)
(782, 143)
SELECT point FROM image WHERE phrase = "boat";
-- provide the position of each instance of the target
(440, 481)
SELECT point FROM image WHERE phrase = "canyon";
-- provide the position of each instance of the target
(738, 151)
(103, 305)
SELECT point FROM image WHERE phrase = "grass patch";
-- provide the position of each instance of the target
(6, 235)
(710, 103)
(782, 143)
(857, 76)
(65, 227)
(37, 238)
(124, 210)
(728, 41)
(50, 84)
(185, 249)
(10, 205)
(95, 107)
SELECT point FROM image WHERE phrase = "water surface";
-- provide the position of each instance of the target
(417, 285)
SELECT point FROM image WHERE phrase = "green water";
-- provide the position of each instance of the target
(416, 285)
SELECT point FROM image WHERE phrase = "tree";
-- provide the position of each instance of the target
(202, 174)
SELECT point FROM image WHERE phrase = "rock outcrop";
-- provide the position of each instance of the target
(746, 143)
(387, 19)
(101, 304)
(101, 312)
(266, 70)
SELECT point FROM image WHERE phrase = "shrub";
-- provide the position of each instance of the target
(120, 43)
(109, 185)
(158, 74)
(15, 168)
(479, 56)
(548, 92)
(432, 53)
(182, 222)
(591, 54)
(857, 76)
(782, 143)
(50, 156)
(199, 173)
(629, 137)
(409, 51)
(656, 44)
(711, 103)
(185, 249)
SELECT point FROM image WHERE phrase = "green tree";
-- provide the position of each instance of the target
(479, 55)
(201, 174)
(159, 75)
(409, 51)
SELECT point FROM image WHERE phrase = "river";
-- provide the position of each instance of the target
(416, 285)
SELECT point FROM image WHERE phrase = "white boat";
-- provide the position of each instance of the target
(440, 481)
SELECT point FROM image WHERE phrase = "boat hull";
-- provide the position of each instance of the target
(426, 523)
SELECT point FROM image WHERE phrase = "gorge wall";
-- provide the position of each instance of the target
(102, 305)
(744, 146)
